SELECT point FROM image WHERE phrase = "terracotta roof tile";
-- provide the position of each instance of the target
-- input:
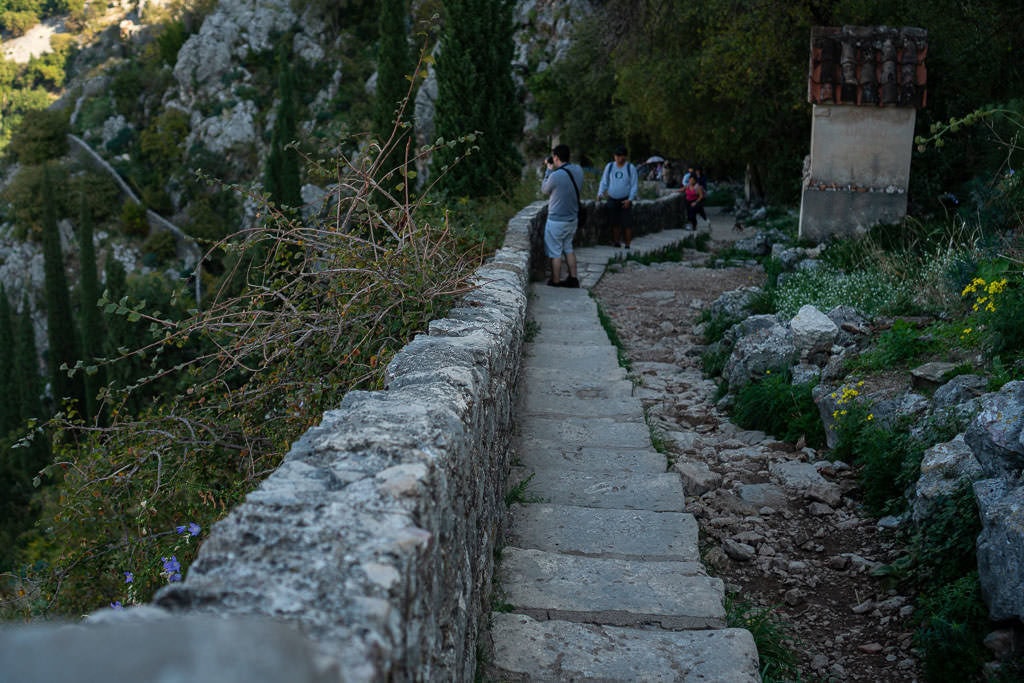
(873, 66)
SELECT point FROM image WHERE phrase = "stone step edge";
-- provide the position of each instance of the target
(529, 650)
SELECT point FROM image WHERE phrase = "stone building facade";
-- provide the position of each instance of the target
(865, 85)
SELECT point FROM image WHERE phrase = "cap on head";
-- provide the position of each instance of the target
(620, 151)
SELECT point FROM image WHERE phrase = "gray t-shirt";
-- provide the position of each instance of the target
(564, 204)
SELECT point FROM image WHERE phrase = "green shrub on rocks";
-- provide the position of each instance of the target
(776, 650)
(953, 621)
(775, 405)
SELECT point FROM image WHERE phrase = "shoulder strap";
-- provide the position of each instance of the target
(572, 180)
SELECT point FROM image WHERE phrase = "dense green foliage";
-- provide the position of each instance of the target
(725, 86)
(60, 323)
(394, 76)
(281, 177)
(477, 99)
(775, 405)
(91, 319)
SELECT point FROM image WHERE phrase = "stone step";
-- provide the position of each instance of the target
(672, 595)
(568, 302)
(537, 381)
(536, 455)
(551, 331)
(569, 359)
(578, 378)
(603, 489)
(566, 402)
(573, 432)
(554, 651)
(614, 534)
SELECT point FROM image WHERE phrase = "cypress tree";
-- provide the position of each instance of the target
(476, 93)
(60, 322)
(26, 367)
(8, 397)
(394, 67)
(91, 318)
(281, 175)
(20, 465)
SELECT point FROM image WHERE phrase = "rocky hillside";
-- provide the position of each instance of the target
(159, 92)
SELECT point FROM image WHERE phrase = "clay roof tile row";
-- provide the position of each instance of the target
(874, 66)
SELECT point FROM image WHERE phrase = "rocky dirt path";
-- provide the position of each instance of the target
(781, 525)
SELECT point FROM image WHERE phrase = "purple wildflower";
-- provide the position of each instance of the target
(194, 529)
(180, 529)
(116, 605)
(172, 569)
(129, 577)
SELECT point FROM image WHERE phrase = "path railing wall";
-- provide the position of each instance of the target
(665, 213)
(368, 554)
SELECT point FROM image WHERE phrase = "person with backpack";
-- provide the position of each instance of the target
(619, 185)
(562, 182)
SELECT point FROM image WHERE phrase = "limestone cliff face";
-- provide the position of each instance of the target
(236, 30)
(225, 97)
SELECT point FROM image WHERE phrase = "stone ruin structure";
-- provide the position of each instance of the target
(865, 85)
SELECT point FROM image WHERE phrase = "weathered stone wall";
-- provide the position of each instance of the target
(367, 555)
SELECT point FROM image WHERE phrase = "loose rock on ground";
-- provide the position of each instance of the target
(780, 523)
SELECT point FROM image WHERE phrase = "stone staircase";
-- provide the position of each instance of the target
(601, 571)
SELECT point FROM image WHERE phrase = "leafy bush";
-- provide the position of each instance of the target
(133, 220)
(101, 194)
(786, 411)
(953, 621)
(41, 136)
(93, 112)
(23, 194)
(900, 345)
(161, 142)
(18, 23)
(997, 312)
(211, 217)
(161, 245)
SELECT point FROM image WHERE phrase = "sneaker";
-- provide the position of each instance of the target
(570, 282)
(626, 247)
(552, 283)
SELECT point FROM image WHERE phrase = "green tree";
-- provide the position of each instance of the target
(477, 97)
(63, 345)
(26, 367)
(91, 318)
(9, 399)
(394, 70)
(18, 500)
(281, 175)
(42, 135)
(575, 96)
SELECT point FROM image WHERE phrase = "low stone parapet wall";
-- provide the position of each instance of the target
(649, 215)
(368, 554)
